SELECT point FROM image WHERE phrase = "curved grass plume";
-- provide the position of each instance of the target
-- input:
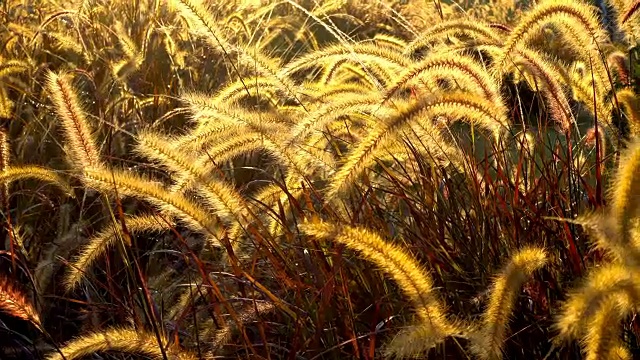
(112, 181)
(502, 298)
(124, 340)
(412, 278)
(98, 245)
(14, 302)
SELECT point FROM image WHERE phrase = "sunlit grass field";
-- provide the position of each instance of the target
(310, 180)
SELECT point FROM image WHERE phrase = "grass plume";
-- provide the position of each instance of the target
(15, 303)
(83, 150)
(412, 278)
(124, 340)
(502, 299)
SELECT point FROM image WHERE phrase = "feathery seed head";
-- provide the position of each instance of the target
(488, 342)
(83, 151)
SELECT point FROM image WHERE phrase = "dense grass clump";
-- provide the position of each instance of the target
(190, 179)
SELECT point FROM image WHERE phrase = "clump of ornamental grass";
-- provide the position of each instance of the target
(204, 141)
(593, 313)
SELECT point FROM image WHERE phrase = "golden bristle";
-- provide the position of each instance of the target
(489, 341)
(83, 151)
(98, 245)
(124, 340)
(112, 181)
(400, 265)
